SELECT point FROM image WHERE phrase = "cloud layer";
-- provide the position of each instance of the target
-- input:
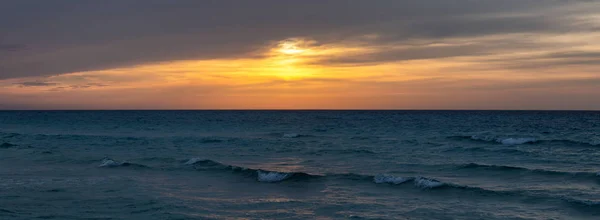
(65, 36)
(498, 48)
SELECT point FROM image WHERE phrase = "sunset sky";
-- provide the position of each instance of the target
(311, 54)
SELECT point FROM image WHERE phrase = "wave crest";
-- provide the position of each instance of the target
(260, 175)
(426, 183)
(391, 179)
(110, 163)
(272, 177)
(524, 140)
(505, 141)
(500, 168)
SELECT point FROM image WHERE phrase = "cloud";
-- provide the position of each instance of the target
(55, 86)
(11, 47)
(36, 84)
(569, 61)
(65, 36)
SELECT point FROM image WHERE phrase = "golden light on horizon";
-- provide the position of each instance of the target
(288, 60)
(291, 73)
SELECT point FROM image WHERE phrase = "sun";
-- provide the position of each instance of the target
(290, 48)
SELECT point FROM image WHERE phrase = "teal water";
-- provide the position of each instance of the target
(299, 165)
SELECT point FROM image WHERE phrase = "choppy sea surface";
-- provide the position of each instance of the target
(299, 165)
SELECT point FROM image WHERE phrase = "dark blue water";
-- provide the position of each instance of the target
(299, 165)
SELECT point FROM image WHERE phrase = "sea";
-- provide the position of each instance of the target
(300, 164)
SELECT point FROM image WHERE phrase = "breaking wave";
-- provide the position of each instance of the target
(419, 182)
(259, 174)
(272, 177)
(523, 140)
(426, 183)
(391, 179)
(487, 150)
(110, 163)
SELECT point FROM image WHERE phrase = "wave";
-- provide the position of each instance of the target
(516, 141)
(523, 169)
(572, 142)
(7, 145)
(486, 150)
(426, 183)
(295, 135)
(341, 151)
(110, 163)
(584, 203)
(288, 135)
(419, 182)
(490, 167)
(524, 140)
(272, 177)
(6, 211)
(423, 183)
(193, 161)
(391, 179)
(259, 174)
(505, 141)
(430, 184)
(291, 135)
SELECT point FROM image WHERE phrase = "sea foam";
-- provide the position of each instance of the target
(272, 177)
(425, 183)
(390, 179)
(107, 162)
(193, 161)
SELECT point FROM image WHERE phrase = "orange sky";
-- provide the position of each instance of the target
(488, 71)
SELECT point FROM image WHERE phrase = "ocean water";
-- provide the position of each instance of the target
(299, 165)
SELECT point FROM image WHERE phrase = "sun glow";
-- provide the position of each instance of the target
(290, 48)
(287, 58)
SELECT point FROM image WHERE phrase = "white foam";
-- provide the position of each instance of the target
(425, 183)
(193, 161)
(515, 141)
(291, 135)
(272, 177)
(110, 163)
(390, 179)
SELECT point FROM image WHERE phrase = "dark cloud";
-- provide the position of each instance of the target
(11, 47)
(36, 84)
(578, 61)
(88, 85)
(69, 36)
(58, 86)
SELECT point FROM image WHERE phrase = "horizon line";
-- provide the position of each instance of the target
(591, 110)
